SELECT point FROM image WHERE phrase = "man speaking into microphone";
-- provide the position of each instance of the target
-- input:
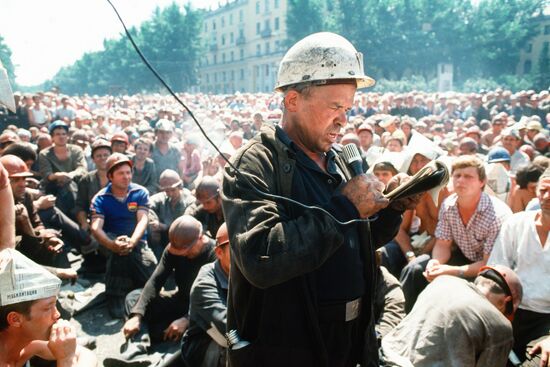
(301, 284)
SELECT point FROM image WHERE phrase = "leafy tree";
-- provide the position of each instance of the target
(305, 17)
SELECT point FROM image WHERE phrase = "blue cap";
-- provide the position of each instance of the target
(57, 124)
(498, 154)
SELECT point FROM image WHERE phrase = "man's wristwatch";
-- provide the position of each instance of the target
(409, 254)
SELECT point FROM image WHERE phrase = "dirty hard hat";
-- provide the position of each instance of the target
(322, 58)
(115, 160)
(15, 166)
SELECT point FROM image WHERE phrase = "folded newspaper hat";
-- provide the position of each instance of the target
(21, 279)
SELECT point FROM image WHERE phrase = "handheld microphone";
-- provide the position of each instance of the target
(353, 158)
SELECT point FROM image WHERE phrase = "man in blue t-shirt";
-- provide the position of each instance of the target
(119, 223)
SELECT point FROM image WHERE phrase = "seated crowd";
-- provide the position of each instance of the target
(130, 184)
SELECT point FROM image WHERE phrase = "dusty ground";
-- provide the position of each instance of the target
(85, 300)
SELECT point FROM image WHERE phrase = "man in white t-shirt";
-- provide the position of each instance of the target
(524, 245)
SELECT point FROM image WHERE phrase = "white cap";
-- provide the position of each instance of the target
(21, 279)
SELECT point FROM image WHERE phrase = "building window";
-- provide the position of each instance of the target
(241, 16)
(223, 22)
(214, 25)
(223, 39)
(205, 27)
(231, 38)
(215, 59)
(224, 76)
(267, 48)
(241, 33)
(545, 46)
(242, 74)
(258, 50)
(232, 56)
(267, 24)
(258, 26)
(215, 77)
(266, 5)
(277, 45)
(267, 70)
(223, 57)
(257, 70)
(232, 75)
(276, 23)
(230, 19)
(257, 7)
(527, 67)
(547, 29)
(207, 78)
(529, 48)
(241, 51)
(276, 4)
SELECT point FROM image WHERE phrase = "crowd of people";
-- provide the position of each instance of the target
(130, 184)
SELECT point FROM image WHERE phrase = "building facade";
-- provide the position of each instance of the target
(531, 54)
(244, 43)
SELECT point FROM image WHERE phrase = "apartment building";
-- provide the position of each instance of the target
(244, 43)
(530, 55)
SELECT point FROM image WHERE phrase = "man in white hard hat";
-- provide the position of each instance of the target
(29, 319)
(302, 284)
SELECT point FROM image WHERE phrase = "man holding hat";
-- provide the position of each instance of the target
(29, 319)
(119, 222)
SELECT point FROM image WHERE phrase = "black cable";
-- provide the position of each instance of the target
(237, 172)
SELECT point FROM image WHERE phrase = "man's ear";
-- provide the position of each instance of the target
(291, 100)
(14, 319)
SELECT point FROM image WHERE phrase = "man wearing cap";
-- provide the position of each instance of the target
(208, 207)
(29, 319)
(164, 315)
(491, 136)
(165, 155)
(458, 323)
(203, 343)
(523, 245)
(119, 222)
(119, 142)
(302, 285)
(510, 141)
(167, 205)
(533, 128)
(61, 167)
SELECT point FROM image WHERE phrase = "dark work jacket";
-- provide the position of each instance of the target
(273, 301)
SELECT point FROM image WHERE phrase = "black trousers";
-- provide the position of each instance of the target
(529, 327)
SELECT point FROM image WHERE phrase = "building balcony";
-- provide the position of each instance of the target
(213, 47)
(240, 41)
(266, 32)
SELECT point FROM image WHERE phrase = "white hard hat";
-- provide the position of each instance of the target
(322, 57)
(22, 280)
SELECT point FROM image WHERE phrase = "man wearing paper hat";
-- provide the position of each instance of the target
(29, 319)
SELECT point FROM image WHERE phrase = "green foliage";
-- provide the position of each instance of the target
(169, 40)
(507, 81)
(5, 59)
(403, 37)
